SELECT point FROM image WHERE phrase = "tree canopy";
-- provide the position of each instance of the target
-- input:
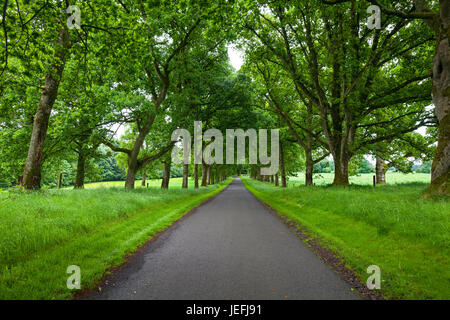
(80, 92)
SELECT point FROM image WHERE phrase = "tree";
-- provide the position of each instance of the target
(401, 153)
(37, 45)
(281, 99)
(32, 171)
(365, 166)
(345, 71)
(438, 19)
(161, 42)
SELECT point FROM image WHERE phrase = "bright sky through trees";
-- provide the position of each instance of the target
(236, 57)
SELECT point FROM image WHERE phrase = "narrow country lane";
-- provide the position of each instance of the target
(232, 247)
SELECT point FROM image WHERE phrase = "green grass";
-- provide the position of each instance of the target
(174, 183)
(365, 178)
(390, 226)
(42, 233)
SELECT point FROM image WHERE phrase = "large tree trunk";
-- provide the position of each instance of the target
(185, 176)
(380, 169)
(60, 178)
(440, 175)
(144, 179)
(309, 163)
(208, 174)
(212, 175)
(277, 180)
(166, 175)
(32, 170)
(282, 167)
(196, 176)
(204, 174)
(131, 176)
(340, 169)
(309, 168)
(133, 165)
(81, 166)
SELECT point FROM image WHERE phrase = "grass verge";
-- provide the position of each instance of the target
(42, 233)
(390, 226)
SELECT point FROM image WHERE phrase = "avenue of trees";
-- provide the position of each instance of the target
(337, 89)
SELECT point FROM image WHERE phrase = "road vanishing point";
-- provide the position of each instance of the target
(230, 248)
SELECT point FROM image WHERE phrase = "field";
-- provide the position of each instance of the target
(365, 178)
(45, 232)
(390, 226)
(154, 183)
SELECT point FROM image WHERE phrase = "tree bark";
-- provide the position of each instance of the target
(166, 175)
(282, 168)
(208, 174)
(196, 176)
(340, 169)
(212, 175)
(60, 176)
(185, 176)
(260, 176)
(277, 182)
(81, 167)
(144, 179)
(380, 169)
(204, 174)
(309, 163)
(32, 170)
(131, 176)
(440, 175)
(133, 165)
(309, 169)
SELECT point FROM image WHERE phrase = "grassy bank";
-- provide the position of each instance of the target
(42, 233)
(390, 226)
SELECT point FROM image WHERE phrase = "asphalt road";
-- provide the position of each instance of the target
(231, 247)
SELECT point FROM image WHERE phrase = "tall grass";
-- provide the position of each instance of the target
(99, 225)
(34, 221)
(174, 183)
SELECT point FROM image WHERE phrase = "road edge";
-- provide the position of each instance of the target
(84, 292)
(332, 259)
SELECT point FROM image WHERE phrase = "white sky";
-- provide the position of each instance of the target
(119, 130)
(236, 57)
